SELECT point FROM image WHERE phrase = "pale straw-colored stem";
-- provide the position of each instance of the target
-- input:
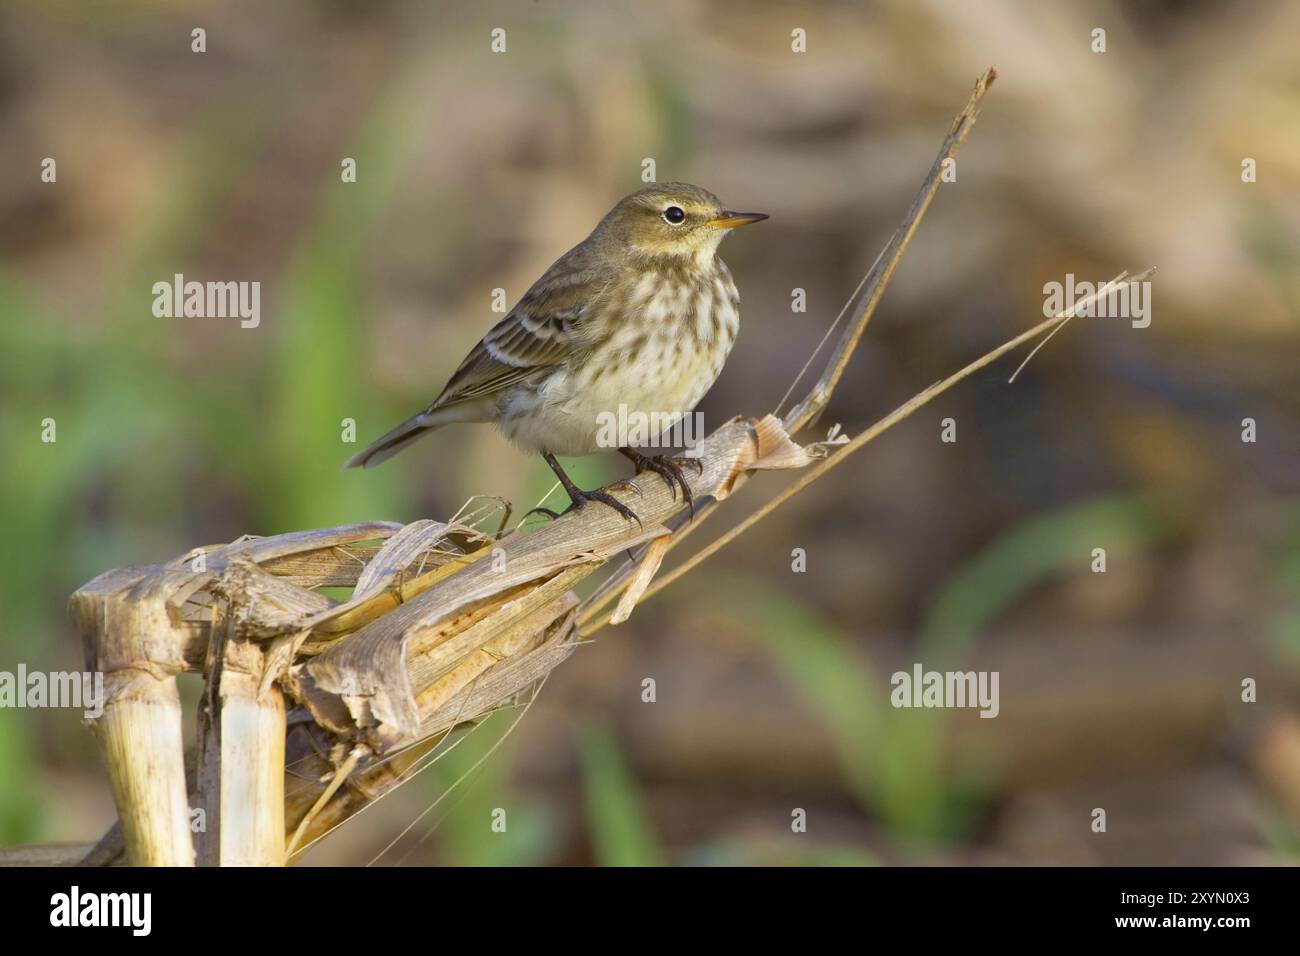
(144, 752)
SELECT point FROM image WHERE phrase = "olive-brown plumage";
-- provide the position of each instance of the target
(641, 314)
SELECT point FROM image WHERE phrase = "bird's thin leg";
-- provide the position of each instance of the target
(666, 467)
(580, 497)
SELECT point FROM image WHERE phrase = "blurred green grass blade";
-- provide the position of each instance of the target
(838, 685)
(461, 825)
(116, 401)
(22, 816)
(891, 759)
(321, 340)
(213, 161)
(1030, 554)
(620, 830)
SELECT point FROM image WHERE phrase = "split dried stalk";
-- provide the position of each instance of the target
(241, 777)
(140, 727)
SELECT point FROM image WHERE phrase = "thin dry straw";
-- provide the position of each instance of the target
(459, 780)
(340, 775)
(827, 335)
(429, 759)
(1112, 284)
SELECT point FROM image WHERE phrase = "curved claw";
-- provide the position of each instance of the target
(610, 500)
(583, 498)
(580, 497)
(669, 469)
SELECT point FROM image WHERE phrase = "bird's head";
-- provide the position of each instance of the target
(673, 221)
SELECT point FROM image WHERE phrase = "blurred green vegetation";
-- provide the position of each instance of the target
(620, 831)
(891, 758)
(85, 503)
(1027, 555)
(471, 785)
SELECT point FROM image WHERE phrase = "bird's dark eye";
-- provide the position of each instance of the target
(674, 215)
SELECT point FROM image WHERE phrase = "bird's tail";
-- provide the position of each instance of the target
(411, 429)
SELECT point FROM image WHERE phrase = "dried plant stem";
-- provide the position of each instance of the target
(241, 765)
(252, 782)
(832, 460)
(140, 728)
(144, 751)
(807, 411)
(340, 776)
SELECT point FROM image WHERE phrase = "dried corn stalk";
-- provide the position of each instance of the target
(445, 625)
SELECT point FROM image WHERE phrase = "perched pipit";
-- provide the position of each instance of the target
(639, 317)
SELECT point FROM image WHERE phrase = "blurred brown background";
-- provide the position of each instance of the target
(476, 169)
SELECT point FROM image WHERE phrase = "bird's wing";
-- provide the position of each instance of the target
(544, 329)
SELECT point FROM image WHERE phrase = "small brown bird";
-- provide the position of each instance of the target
(639, 316)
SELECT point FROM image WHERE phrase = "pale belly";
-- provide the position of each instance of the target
(647, 376)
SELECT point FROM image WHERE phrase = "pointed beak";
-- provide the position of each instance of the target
(730, 220)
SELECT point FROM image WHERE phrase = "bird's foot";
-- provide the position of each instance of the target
(669, 468)
(580, 498)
